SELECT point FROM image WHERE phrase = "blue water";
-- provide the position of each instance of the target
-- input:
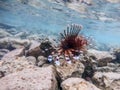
(101, 22)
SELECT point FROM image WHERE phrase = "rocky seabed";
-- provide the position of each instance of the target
(24, 66)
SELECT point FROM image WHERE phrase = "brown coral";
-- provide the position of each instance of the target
(71, 42)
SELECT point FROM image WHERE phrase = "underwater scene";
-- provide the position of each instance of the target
(59, 44)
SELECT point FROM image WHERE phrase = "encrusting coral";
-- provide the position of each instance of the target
(71, 42)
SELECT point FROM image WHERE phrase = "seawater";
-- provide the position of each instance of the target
(101, 22)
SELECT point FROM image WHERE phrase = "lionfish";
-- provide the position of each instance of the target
(71, 42)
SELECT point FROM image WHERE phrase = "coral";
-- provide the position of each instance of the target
(71, 42)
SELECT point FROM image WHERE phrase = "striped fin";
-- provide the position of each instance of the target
(72, 30)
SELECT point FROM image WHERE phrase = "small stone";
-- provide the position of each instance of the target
(70, 70)
(31, 60)
(34, 49)
(41, 60)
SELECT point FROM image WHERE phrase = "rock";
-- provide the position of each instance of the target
(102, 57)
(57, 1)
(46, 65)
(21, 35)
(99, 54)
(4, 33)
(115, 85)
(30, 79)
(111, 67)
(11, 65)
(23, 1)
(114, 1)
(1, 74)
(70, 70)
(107, 80)
(88, 73)
(34, 49)
(35, 37)
(33, 3)
(34, 44)
(14, 54)
(41, 60)
(13, 43)
(117, 54)
(78, 7)
(3, 52)
(77, 84)
(12, 31)
(31, 60)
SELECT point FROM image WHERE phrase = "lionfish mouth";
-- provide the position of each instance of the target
(71, 42)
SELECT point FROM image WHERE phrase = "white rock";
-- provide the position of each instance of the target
(102, 57)
(70, 70)
(34, 49)
(31, 60)
(100, 54)
(41, 60)
(3, 52)
(14, 54)
(105, 80)
(34, 78)
(11, 65)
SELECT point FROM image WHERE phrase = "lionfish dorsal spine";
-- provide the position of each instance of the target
(72, 30)
(62, 36)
